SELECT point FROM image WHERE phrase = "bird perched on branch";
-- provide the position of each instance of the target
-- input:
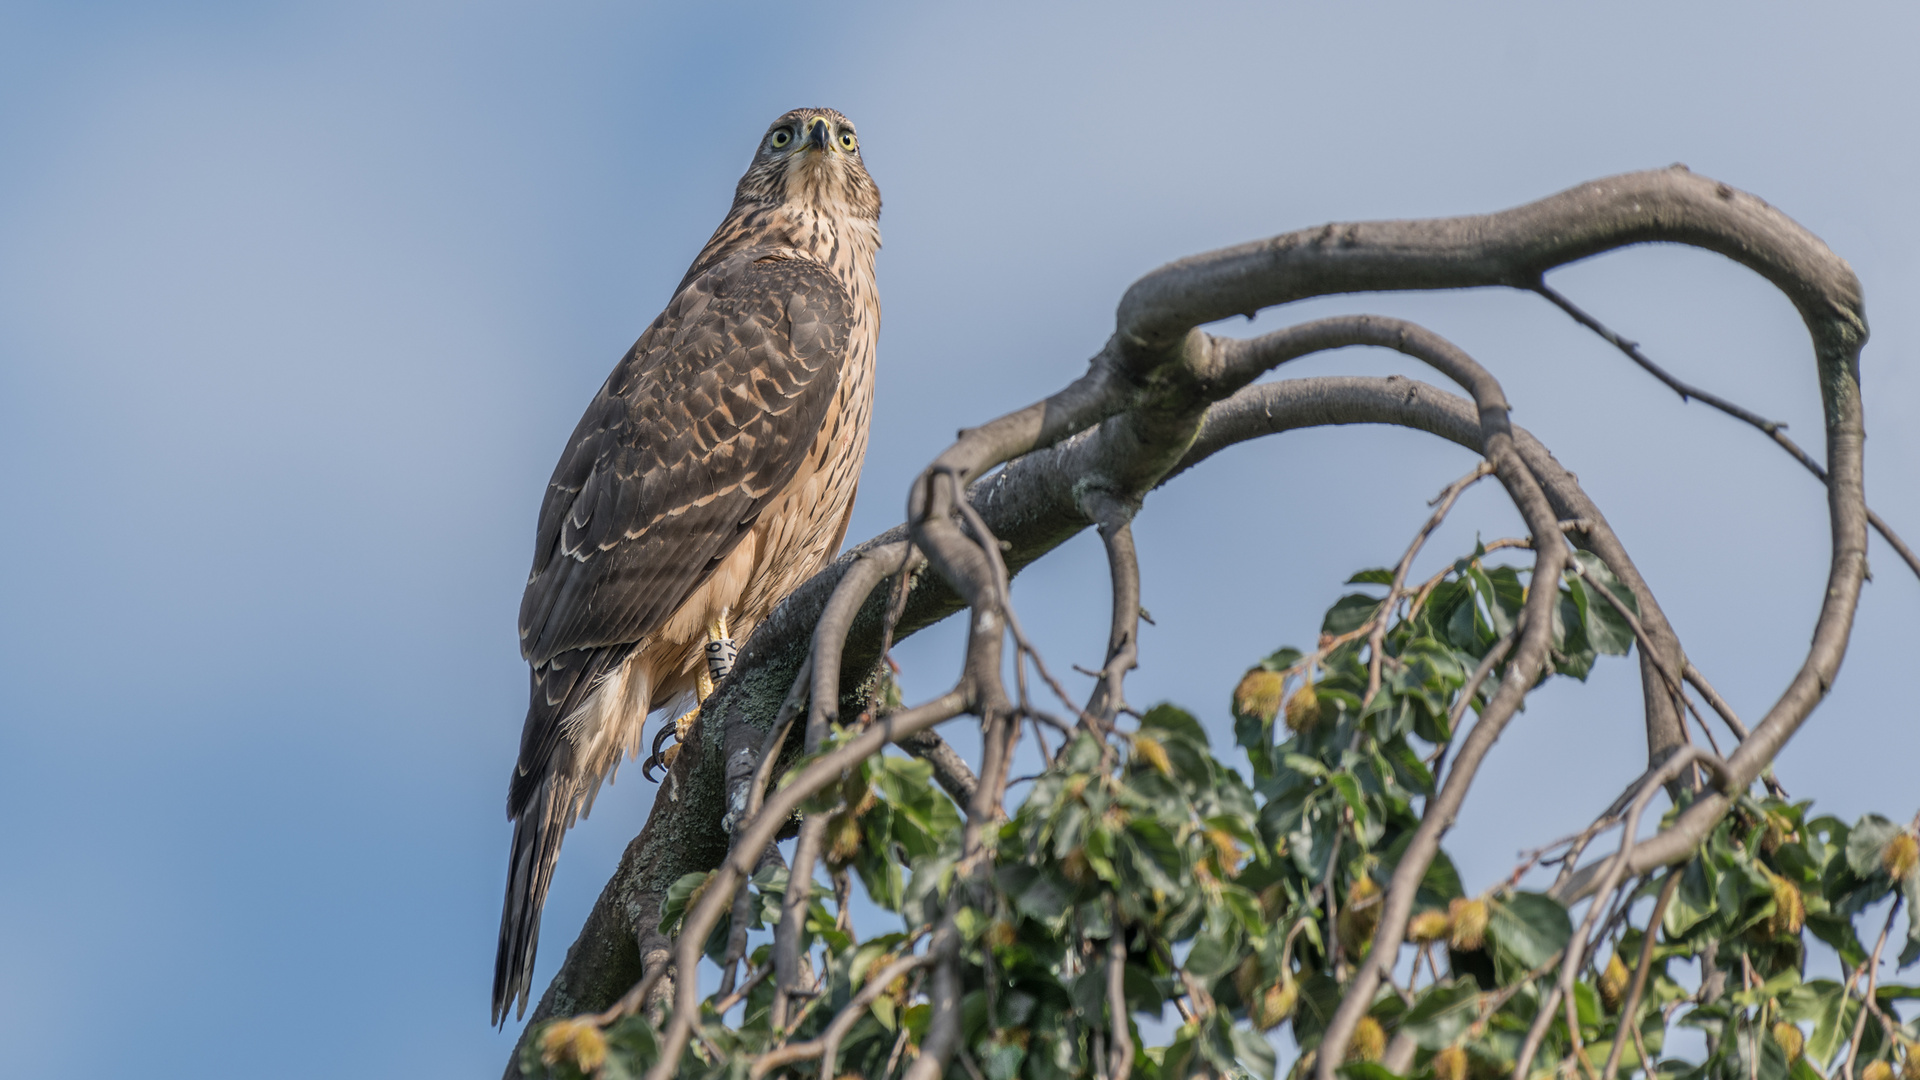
(712, 474)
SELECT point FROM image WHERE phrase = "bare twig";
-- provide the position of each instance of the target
(742, 915)
(1667, 675)
(1573, 842)
(1376, 641)
(827, 1047)
(943, 1023)
(1001, 582)
(789, 979)
(1616, 868)
(950, 770)
(739, 995)
(1720, 705)
(1464, 701)
(1493, 1001)
(1121, 1035)
(1640, 1048)
(1530, 657)
(1629, 1010)
(830, 633)
(1873, 977)
(1123, 638)
(699, 921)
(1772, 428)
(1327, 893)
(899, 1045)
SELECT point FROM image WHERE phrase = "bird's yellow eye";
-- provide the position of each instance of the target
(781, 138)
(847, 141)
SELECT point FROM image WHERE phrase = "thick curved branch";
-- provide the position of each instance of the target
(1513, 248)
(830, 633)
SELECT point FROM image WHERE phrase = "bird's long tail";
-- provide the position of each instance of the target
(537, 832)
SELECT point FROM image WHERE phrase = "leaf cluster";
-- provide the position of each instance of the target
(1240, 902)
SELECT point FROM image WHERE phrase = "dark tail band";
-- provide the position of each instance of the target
(537, 833)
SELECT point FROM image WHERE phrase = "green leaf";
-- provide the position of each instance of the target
(1442, 880)
(1442, 1014)
(1348, 613)
(1349, 789)
(1462, 624)
(1371, 577)
(1528, 928)
(1282, 659)
(999, 1059)
(675, 904)
(1303, 764)
(1319, 997)
(1254, 1053)
(1409, 769)
(1605, 629)
(1832, 1020)
(1694, 901)
(1910, 889)
(1215, 952)
(1801, 1070)
(1244, 906)
(1176, 722)
(1867, 842)
(1041, 897)
(1766, 991)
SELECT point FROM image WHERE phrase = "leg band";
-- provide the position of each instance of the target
(720, 655)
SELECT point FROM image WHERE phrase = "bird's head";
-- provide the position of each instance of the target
(811, 157)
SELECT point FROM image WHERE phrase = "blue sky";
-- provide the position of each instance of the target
(298, 302)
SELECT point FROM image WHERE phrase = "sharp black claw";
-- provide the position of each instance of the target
(658, 758)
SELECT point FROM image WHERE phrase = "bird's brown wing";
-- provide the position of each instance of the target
(706, 419)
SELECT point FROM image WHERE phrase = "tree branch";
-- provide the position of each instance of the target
(950, 770)
(1773, 429)
(1136, 417)
(1629, 1010)
(1581, 941)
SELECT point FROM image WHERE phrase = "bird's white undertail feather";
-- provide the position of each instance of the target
(606, 730)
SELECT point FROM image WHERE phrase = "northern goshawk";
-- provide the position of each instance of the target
(713, 473)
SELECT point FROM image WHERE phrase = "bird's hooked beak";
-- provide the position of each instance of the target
(819, 137)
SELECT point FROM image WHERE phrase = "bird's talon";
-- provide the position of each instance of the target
(662, 756)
